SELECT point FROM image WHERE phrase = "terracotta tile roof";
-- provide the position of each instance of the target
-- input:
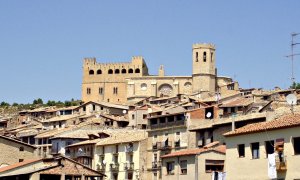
(117, 136)
(220, 149)
(286, 121)
(77, 134)
(62, 118)
(238, 102)
(16, 165)
(223, 96)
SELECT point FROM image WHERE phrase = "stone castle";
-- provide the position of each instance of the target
(130, 82)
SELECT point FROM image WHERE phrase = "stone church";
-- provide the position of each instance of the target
(130, 81)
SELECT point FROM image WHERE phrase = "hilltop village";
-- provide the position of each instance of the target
(132, 125)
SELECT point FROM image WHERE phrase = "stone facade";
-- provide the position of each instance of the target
(13, 151)
(130, 82)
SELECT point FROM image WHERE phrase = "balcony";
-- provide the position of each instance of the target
(167, 124)
(281, 164)
(156, 165)
(165, 145)
(101, 167)
(129, 149)
(129, 166)
(84, 154)
(114, 167)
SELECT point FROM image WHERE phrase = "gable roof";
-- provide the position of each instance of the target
(19, 164)
(287, 121)
(16, 141)
(220, 149)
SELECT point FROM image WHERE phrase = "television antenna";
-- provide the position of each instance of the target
(291, 99)
(292, 55)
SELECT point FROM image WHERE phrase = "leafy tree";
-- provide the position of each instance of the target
(4, 104)
(51, 103)
(295, 86)
(38, 101)
(15, 104)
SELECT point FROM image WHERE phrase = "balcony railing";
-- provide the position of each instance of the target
(164, 145)
(114, 167)
(129, 166)
(129, 149)
(281, 164)
(101, 167)
(167, 124)
(84, 154)
(156, 165)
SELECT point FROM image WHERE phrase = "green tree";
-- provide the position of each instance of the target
(38, 101)
(4, 104)
(295, 86)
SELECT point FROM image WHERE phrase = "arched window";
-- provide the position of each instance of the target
(137, 70)
(91, 72)
(110, 71)
(204, 56)
(117, 71)
(196, 56)
(99, 71)
(130, 71)
(123, 71)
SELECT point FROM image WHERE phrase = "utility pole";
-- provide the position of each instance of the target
(292, 55)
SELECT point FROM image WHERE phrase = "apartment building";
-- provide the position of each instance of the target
(248, 149)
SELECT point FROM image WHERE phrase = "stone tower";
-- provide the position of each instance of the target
(204, 71)
(161, 71)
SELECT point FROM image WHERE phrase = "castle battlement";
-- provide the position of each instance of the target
(204, 45)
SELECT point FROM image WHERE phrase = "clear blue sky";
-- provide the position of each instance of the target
(42, 43)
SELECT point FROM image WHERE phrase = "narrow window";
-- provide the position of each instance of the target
(123, 71)
(197, 57)
(255, 150)
(130, 71)
(241, 150)
(117, 71)
(211, 56)
(110, 71)
(183, 167)
(296, 145)
(83, 108)
(204, 56)
(88, 90)
(107, 100)
(132, 116)
(91, 72)
(269, 147)
(170, 168)
(99, 71)
(101, 90)
(137, 70)
(94, 107)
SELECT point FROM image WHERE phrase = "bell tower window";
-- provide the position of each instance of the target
(196, 56)
(204, 56)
